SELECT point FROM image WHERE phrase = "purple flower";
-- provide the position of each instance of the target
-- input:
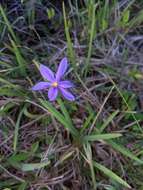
(55, 84)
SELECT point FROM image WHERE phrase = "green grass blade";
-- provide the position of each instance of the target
(92, 35)
(23, 186)
(111, 174)
(129, 109)
(88, 152)
(64, 111)
(109, 119)
(138, 19)
(58, 116)
(6, 82)
(8, 24)
(66, 115)
(101, 137)
(87, 122)
(34, 166)
(10, 174)
(20, 60)
(69, 42)
(124, 151)
(53, 111)
(15, 141)
(100, 110)
(14, 41)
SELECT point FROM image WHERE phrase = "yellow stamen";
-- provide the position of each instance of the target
(55, 84)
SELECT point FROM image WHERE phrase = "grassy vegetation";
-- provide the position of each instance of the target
(94, 142)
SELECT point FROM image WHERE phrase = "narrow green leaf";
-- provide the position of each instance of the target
(64, 111)
(92, 35)
(58, 116)
(50, 13)
(67, 116)
(8, 83)
(126, 103)
(34, 147)
(101, 137)
(18, 157)
(88, 151)
(30, 115)
(8, 24)
(124, 151)
(15, 141)
(126, 15)
(69, 42)
(87, 122)
(34, 166)
(109, 119)
(136, 20)
(20, 60)
(23, 186)
(111, 174)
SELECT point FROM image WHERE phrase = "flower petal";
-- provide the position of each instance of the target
(52, 93)
(62, 68)
(47, 73)
(67, 94)
(40, 86)
(66, 84)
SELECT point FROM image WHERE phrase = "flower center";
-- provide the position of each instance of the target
(54, 84)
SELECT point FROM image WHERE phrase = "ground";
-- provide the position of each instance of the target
(94, 142)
